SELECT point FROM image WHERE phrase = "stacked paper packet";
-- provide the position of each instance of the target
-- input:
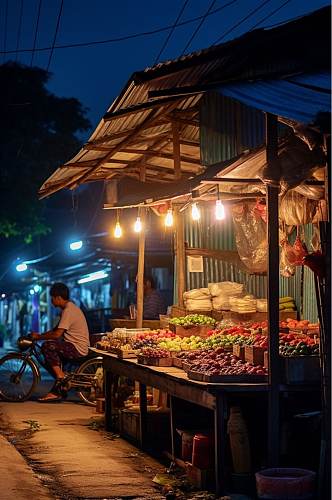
(198, 299)
(244, 305)
(221, 292)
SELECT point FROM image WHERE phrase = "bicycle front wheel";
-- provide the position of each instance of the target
(90, 377)
(18, 378)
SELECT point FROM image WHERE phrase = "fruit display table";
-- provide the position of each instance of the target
(175, 382)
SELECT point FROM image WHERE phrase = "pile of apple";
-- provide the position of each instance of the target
(216, 362)
(150, 339)
(181, 343)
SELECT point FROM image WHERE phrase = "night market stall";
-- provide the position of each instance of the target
(196, 125)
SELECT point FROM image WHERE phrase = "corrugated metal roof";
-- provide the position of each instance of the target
(290, 48)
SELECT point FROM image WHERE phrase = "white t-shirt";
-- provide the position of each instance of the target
(76, 329)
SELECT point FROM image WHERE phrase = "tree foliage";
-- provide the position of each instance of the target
(38, 133)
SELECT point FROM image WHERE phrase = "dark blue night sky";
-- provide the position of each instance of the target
(96, 74)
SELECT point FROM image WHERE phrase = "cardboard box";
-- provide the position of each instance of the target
(201, 478)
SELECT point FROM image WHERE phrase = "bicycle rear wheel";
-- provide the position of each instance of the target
(89, 376)
(18, 378)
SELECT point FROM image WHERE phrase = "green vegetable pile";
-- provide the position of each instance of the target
(193, 320)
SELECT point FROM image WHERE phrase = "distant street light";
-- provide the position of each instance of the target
(21, 267)
(76, 245)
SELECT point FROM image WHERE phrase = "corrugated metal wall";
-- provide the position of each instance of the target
(228, 128)
(220, 236)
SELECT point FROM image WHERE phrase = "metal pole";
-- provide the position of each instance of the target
(271, 177)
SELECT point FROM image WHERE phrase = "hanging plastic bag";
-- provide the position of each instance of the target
(250, 237)
(296, 210)
(286, 269)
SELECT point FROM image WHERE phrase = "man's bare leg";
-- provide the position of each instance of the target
(59, 375)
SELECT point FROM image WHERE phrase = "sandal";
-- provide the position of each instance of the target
(51, 397)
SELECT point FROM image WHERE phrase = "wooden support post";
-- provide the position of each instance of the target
(271, 176)
(108, 384)
(180, 257)
(143, 416)
(220, 440)
(140, 272)
(176, 150)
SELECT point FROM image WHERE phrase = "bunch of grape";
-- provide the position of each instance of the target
(153, 352)
(147, 342)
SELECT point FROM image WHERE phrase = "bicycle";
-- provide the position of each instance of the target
(20, 374)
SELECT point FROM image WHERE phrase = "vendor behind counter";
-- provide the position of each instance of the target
(153, 302)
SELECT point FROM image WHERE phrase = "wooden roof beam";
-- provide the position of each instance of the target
(144, 106)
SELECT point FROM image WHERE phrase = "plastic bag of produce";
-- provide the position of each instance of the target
(251, 237)
(286, 269)
(296, 210)
(225, 288)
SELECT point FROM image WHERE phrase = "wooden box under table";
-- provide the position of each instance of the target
(200, 478)
(254, 355)
(157, 423)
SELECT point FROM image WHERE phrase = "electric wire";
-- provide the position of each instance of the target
(5, 32)
(19, 29)
(121, 38)
(198, 26)
(36, 33)
(171, 31)
(252, 12)
(55, 35)
(270, 15)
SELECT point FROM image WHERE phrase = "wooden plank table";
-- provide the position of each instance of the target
(175, 382)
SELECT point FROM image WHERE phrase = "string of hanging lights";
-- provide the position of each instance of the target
(169, 217)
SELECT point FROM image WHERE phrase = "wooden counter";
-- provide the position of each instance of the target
(175, 382)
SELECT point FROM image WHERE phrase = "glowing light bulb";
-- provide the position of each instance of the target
(21, 267)
(195, 213)
(169, 219)
(138, 225)
(220, 210)
(117, 230)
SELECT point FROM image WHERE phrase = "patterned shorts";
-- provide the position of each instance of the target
(57, 351)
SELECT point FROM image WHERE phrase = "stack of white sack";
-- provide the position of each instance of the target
(244, 305)
(261, 305)
(222, 291)
(198, 299)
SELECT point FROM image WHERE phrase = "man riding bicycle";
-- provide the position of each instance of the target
(69, 340)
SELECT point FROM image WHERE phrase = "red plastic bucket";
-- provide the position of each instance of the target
(285, 483)
(202, 451)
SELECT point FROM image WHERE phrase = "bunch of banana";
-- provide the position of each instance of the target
(287, 304)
